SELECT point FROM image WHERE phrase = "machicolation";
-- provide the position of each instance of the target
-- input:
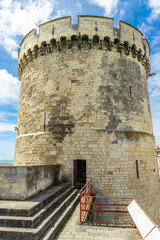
(59, 34)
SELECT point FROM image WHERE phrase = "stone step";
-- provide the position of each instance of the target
(31, 222)
(56, 227)
(32, 205)
(7, 233)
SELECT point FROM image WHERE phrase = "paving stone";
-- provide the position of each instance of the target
(86, 232)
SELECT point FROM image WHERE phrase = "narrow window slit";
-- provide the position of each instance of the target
(130, 91)
(96, 26)
(134, 37)
(137, 170)
(53, 29)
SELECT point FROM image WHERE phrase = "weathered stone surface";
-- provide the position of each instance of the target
(50, 209)
(21, 182)
(73, 230)
(84, 96)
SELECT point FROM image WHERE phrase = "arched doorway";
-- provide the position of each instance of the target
(79, 173)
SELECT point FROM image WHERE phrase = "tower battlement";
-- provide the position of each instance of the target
(91, 31)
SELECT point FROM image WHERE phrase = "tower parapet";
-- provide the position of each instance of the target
(90, 31)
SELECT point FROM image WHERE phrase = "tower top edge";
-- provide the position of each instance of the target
(87, 25)
(56, 19)
(130, 26)
(94, 16)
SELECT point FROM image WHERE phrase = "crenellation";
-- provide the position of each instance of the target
(89, 26)
(131, 34)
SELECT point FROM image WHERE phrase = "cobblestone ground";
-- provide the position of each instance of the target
(73, 230)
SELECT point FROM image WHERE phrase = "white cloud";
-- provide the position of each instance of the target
(145, 29)
(79, 5)
(5, 115)
(7, 147)
(154, 92)
(155, 5)
(154, 81)
(156, 128)
(19, 17)
(7, 127)
(9, 88)
(122, 12)
(155, 40)
(110, 6)
(156, 121)
(155, 60)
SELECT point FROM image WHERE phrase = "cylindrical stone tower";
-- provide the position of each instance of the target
(84, 104)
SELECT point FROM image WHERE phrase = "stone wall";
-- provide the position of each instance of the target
(84, 96)
(19, 183)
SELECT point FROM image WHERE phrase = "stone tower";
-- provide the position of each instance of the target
(84, 105)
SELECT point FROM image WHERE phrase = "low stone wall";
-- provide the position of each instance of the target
(19, 183)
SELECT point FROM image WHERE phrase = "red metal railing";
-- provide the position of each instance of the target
(94, 208)
(85, 199)
(111, 211)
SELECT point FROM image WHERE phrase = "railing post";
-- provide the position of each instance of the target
(85, 198)
(85, 192)
(80, 208)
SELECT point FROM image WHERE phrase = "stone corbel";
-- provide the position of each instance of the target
(134, 53)
(109, 45)
(79, 41)
(143, 60)
(100, 44)
(20, 68)
(53, 44)
(127, 50)
(69, 45)
(41, 51)
(35, 51)
(90, 43)
(25, 60)
(20, 71)
(148, 64)
(79, 44)
(22, 65)
(139, 55)
(58, 46)
(119, 47)
(49, 49)
(43, 48)
(34, 54)
(29, 55)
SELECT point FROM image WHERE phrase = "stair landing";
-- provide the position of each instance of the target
(73, 230)
(30, 205)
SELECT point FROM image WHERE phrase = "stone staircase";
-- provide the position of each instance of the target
(39, 217)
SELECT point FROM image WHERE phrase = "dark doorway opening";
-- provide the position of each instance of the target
(79, 173)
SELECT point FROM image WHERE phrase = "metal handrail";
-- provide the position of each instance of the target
(86, 203)
(85, 196)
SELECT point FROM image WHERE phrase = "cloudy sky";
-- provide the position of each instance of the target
(17, 17)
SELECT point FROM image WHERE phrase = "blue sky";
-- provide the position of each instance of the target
(19, 17)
